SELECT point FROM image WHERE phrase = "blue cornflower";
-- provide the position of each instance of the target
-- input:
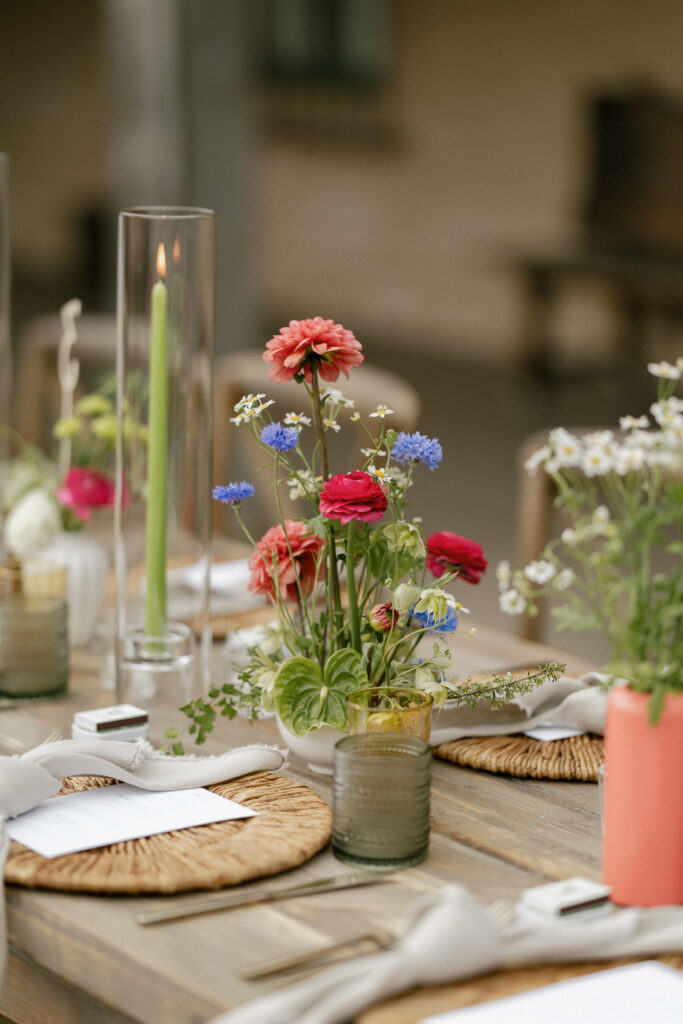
(417, 448)
(426, 620)
(233, 494)
(282, 439)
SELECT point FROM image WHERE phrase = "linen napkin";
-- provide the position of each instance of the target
(575, 703)
(28, 779)
(453, 937)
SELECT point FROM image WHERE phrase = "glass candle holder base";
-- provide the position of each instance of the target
(380, 799)
(34, 642)
(158, 671)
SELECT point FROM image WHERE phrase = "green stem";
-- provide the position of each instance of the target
(351, 588)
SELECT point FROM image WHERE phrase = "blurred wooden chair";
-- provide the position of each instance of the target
(245, 372)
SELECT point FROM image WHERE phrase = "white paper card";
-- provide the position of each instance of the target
(553, 732)
(638, 993)
(113, 814)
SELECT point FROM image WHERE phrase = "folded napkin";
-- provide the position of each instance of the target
(28, 779)
(574, 703)
(453, 937)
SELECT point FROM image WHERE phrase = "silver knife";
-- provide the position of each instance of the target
(224, 901)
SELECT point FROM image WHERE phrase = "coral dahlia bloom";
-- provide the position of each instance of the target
(348, 496)
(274, 571)
(448, 551)
(318, 343)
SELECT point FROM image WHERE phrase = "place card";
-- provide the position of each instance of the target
(114, 814)
(647, 991)
(546, 731)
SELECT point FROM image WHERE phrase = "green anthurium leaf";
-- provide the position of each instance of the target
(305, 699)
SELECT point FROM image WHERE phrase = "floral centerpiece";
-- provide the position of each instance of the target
(617, 566)
(356, 585)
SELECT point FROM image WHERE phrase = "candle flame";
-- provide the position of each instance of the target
(161, 260)
(176, 251)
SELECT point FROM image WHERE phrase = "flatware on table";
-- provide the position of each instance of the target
(319, 956)
(226, 901)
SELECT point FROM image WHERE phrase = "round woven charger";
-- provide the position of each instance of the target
(292, 825)
(576, 758)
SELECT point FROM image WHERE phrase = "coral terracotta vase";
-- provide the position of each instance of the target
(643, 800)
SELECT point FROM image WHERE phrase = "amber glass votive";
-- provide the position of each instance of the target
(380, 800)
(390, 709)
(34, 643)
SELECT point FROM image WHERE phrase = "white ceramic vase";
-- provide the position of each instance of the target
(87, 565)
(315, 747)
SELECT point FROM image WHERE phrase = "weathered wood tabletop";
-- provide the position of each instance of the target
(83, 958)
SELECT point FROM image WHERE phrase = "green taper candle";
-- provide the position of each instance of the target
(155, 524)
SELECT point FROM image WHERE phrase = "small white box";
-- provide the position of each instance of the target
(117, 722)
(570, 896)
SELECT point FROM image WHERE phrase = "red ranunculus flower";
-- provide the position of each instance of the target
(447, 551)
(350, 496)
(273, 572)
(84, 489)
(319, 343)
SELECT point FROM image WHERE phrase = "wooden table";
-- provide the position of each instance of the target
(76, 958)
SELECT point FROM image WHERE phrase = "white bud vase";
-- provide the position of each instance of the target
(87, 564)
(315, 747)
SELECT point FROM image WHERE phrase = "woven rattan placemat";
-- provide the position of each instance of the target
(292, 825)
(576, 758)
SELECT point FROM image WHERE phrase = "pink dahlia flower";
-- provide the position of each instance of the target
(274, 571)
(318, 343)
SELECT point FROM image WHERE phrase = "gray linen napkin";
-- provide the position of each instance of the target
(28, 779)
(577, 703)
(453, 937)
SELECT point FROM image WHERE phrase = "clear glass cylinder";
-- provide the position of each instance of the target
(164, 368)
(401, 709)
(34, 644)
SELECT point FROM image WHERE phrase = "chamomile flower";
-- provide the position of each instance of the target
(668, 411)
(381, 412)
(570, 537)
(375, 453)
(565, 447)
(564, 579)
(332, 425)
(665, 370)
(512, 603)
(337, 397)
(629, 460)
(247, 401)
(596, 461)
(540, 572)
(379, 473)
(355, 417)
(634, 422)
(537, 459)
(503, 575)
(298, 420)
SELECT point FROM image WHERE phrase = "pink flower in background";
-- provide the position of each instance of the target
(84, 489)
(274, 570)
(312, 343)
(348, 496)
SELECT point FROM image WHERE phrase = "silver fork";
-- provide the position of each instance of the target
(320, 955)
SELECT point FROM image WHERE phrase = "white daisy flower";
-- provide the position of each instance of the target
(570, 537)
(535, 460)
(338, 397)
(540, 572)
(641, 439)
(298, 420)
(240, 418)
(665, 370)
(355, 417)
(634, 422)
(512, 603)
(332, 425)
(564, 579)
(378, 472)
(596, 461)
(503, 575)
(566, 448)
(376, 453)
(246, 401)
(381, 412)
(668, 411)
(629, 459)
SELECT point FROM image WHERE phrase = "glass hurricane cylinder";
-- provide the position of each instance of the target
(164, 368)
(5, 345)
